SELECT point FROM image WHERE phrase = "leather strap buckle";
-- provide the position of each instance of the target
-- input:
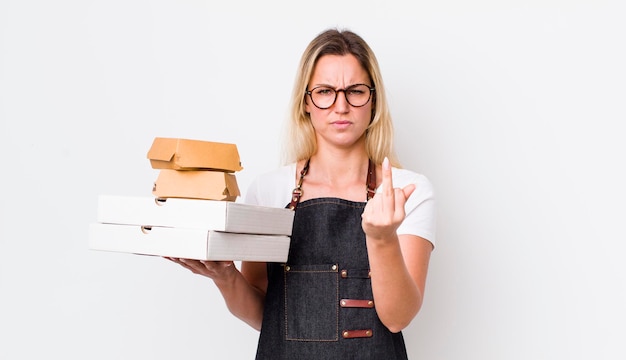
(357, 303)
(351, 334)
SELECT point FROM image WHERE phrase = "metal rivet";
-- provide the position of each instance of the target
(287, 268)
(345, 334)
(370, 303)
(334, 267)
(343, 303)
(368, 333)
(344, 273)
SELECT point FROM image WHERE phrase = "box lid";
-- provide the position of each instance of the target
(188, 154)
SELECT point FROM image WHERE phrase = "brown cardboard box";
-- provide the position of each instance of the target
(187, 154)
(196, 184)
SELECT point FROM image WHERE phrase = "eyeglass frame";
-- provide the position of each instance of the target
(337, 91)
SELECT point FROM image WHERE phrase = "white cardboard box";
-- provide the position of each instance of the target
(199, 244)
(195, 214)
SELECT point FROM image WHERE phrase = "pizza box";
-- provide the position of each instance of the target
(199, 244)
(194, 213)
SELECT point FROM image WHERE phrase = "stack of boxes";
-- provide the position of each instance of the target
(195, 169)
(193, 213)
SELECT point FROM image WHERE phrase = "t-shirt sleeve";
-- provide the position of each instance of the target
(252, 194)
(420, 218)
(271, 189)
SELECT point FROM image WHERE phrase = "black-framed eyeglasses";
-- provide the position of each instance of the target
(356, 95)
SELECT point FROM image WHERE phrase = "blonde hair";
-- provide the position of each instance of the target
(301, 143)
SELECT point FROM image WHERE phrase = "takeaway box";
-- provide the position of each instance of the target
(189, 154)
(194, 213)
(196, 184)
(191, 228)
(200, 244)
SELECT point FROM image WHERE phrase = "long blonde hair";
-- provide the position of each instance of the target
(301, 143)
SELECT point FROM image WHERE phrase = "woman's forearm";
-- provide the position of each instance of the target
(242, 299)
(398, 279)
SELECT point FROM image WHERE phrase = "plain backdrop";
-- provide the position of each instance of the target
(513, 109)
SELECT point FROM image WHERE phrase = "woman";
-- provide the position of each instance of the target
(358, 258)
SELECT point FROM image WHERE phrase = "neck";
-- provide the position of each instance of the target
(339, 166)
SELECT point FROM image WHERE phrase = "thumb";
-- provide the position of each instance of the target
(408, 190)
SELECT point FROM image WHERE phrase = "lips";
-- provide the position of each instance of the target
(341, 124)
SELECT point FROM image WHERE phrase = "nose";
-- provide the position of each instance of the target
(341, 102)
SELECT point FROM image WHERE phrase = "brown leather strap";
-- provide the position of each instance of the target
(351, 334)
(357, 303)
(370, 183)
(371, 180)
(297, 191)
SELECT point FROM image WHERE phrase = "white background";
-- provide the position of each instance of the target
(513, 109)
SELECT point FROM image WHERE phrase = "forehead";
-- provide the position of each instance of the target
(338, 70)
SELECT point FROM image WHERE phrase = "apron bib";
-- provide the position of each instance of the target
(319, 305)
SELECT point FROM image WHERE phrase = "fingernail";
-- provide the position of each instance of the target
(385, 163)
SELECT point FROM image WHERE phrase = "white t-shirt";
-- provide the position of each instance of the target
(274, 189)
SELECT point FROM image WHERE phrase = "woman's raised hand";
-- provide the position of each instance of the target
(384, 213)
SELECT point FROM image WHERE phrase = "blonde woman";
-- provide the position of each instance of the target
(364, 228)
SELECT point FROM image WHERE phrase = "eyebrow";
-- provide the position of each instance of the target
(335, 87)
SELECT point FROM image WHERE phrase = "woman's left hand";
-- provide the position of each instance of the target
(384, 213)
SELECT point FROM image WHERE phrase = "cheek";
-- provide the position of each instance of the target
(314, 118)
(367, 114)
(315, 114)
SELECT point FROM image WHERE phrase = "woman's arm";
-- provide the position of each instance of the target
(243, 291)
(398, 264)
(398, 273)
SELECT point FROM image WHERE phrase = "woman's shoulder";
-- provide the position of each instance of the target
(404, 177)
(420, 207)
(280, 175)
(272, 188)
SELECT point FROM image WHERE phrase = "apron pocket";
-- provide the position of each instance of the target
(312, 302)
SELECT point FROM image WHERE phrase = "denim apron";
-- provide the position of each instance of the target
(319, 305)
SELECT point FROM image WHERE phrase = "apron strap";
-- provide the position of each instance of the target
(371, 180)
(297, 191)
(370, 184)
